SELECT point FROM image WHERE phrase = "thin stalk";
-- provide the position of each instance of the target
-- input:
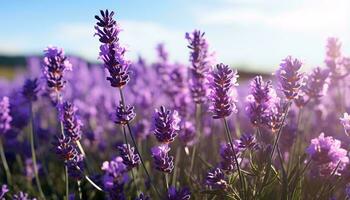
(81, 148)
(4, 162)
(93, 184)
(65, 167)
(137, 149)
(177, 158)
(198, 132)
(32, 147)
(79, 190)
(166, 181)
(67, 182)
(228, 134)
(285, 113)
(128, 146)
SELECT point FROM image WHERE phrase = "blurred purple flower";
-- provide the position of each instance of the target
(5, 117)
(216, 179)
(247, 141)
(76, 166)
(130, 159)
(63, 148)
(317, 83)
(290, 77)
(166, 124)
(4, 190)
(162, 161)
(187, 134)
(222, 84)
(327, 153)
(22, 196)
(143, 197)
(227, 156)
(200, 65)
(178, 194)
(30, 89)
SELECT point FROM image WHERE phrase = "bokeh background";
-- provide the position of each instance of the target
(251, 35)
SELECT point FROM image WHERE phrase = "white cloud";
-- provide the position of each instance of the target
(313, 16)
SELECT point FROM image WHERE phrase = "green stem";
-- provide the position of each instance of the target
(228, 134)
(166, 181)
(32, 147)
(4, 162)
(67, 182)
(137, 149)
(79, 190)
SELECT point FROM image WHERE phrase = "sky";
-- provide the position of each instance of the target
(253, 34)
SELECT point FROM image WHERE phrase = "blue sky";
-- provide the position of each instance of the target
(258, 33)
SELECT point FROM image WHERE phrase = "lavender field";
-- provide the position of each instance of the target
(135, 129)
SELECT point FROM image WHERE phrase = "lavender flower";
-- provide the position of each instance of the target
(72, 125)
(327, 153)
(247, 141)
(227, 156)
(114, 178)
(63, 148)
(142, 129)
(223, 81)
(22, 196)
(347, 190)
(261, 101)
(162, 161)
(289, 77)
(5, 117)
(55, 63)
(111, 52)
(76, 166)
(124, 114)
(345, 121)
(216, 179)
(4, 190)
(317, 83)
(30, 89)
(188, 134)
(130, 159)
(166, 125)
(200, 65)
(179, 194)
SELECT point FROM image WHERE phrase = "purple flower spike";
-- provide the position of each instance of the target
(188, 134)
(222, 84)
(5, 117)
(55, 63)
(247, 141)
(111, 52)
(63, 148)
(166, 125)
(180, 194)
(22, 196)
(124, 114)
(227, 157)
(317, 83)
(72, 125)
(162, 161)
(76, 167)
(216, 179)
(347, 190)
(130, 159)
(261, 100)
(327, 154)
(30, 89)
(200, 65)
(289, 77)
(4, 190)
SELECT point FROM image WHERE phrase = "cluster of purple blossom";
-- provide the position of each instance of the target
(209, 138)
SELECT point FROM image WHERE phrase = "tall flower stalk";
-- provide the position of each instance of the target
(30, 90)
(223, 81)
(113, 56)
(5, 120)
